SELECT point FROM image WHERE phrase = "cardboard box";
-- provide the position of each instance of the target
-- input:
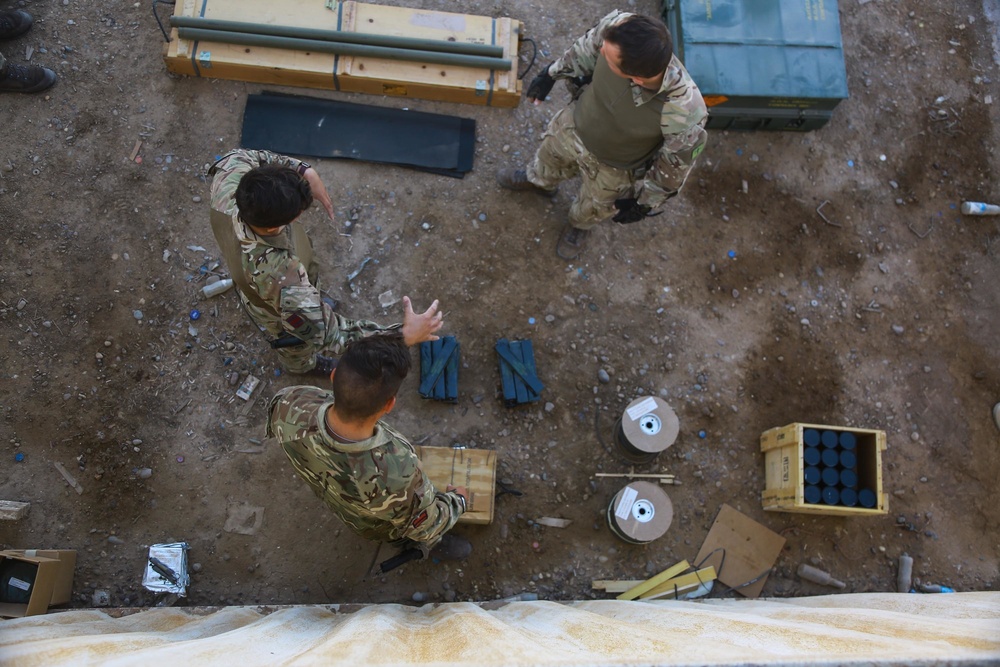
(785, 470)
(51, 575)
(358, 74)
(475, 469)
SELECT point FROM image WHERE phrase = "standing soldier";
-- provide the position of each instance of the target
(257, 198)
(365, 471)
(632, 134)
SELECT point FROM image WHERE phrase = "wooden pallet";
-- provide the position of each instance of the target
(375, 76)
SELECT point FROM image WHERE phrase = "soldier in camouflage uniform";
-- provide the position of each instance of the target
(632, 133)
(257, 197)
(364, 470)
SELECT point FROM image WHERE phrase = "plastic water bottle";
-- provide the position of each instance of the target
(217, 288)
(979, 208)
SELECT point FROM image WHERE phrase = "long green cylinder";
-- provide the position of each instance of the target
(412, 55)
(391, 41)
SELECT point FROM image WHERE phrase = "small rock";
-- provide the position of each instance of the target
(914, 436)
(100, 599)
(196, 567)
(898, 329)
(145, 473)
(114, 539)
(923, 479)
(419, 597)
(603, 377)
(196, 199)
(21, 303)
(137, 314)
(550, 318)
(549, 407)
(506, 148)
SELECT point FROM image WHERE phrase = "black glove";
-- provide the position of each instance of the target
(541, 85)
(630, 210)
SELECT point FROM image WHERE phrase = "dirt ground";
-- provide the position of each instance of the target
(883, 315)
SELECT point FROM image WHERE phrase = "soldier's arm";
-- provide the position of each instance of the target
(434, 517)
(581, 58)
(683, 126)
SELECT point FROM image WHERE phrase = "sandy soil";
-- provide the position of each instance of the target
(881, 316)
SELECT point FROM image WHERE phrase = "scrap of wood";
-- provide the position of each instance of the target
(553, 522)
(135, 150)
(685, 583)
(631, 475)
(653, 582)
(615, 585)
(12, 510)
(68, 477)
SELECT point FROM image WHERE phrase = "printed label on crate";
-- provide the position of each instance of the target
(640, 409)
(625, 503)
(17, 583)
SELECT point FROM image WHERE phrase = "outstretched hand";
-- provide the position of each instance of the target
(420, 327)
(319, 190)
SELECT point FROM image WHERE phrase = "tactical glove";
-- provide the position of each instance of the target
(541, 85)
(630, 210)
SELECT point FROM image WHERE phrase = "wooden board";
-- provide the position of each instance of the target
(784, 470)
(680, 585)
(475, 469)
(740, 550)
(376, 76)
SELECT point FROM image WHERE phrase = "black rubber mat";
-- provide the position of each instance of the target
(294, 125)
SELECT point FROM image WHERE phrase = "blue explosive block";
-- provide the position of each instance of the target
(518, 376)
(439, 369)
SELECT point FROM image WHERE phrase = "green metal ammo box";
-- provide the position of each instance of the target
(762, 64)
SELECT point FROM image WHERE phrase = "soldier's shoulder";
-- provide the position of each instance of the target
(295, 403)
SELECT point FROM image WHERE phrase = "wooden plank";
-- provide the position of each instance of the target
(506, 375)
(520, 389)
(652, 582)
(684, 583)
(376, 76)
(615, 585)
(451, 374)
(12, 510)
(475, 469)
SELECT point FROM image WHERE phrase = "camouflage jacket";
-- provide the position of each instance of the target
(289, 288)
(682, 120)
(375, 486)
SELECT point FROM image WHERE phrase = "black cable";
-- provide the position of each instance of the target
(166, 37)
(534, 54)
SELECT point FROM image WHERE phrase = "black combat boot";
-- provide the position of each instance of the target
(571, 241)
(451, 547)
(25, 78)
(517, 179)
(14, 23)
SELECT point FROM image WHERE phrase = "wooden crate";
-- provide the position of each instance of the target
(784, 470)
(375, 76)
(475, 469)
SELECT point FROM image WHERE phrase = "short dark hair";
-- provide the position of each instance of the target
(369, 374)
(272, 195)
(645, 43)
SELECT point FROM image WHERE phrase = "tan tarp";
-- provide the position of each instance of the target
(872, 628)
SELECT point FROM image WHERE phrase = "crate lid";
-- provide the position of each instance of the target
(761, 48)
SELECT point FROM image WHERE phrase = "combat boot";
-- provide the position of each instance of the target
(324, 366)
(571, 241)
(25, 78)
(517, 179)
(451, 547)
(14, 23)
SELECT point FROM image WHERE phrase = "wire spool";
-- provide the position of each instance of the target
(647, 427)
(640, 513)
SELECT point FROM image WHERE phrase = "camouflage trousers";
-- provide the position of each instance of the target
(562, 156)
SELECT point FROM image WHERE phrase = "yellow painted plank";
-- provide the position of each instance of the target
(682, 584)
(651, 583)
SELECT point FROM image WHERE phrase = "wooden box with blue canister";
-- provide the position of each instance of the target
(820, 469)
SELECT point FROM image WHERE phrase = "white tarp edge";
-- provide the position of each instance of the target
(865, 628)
